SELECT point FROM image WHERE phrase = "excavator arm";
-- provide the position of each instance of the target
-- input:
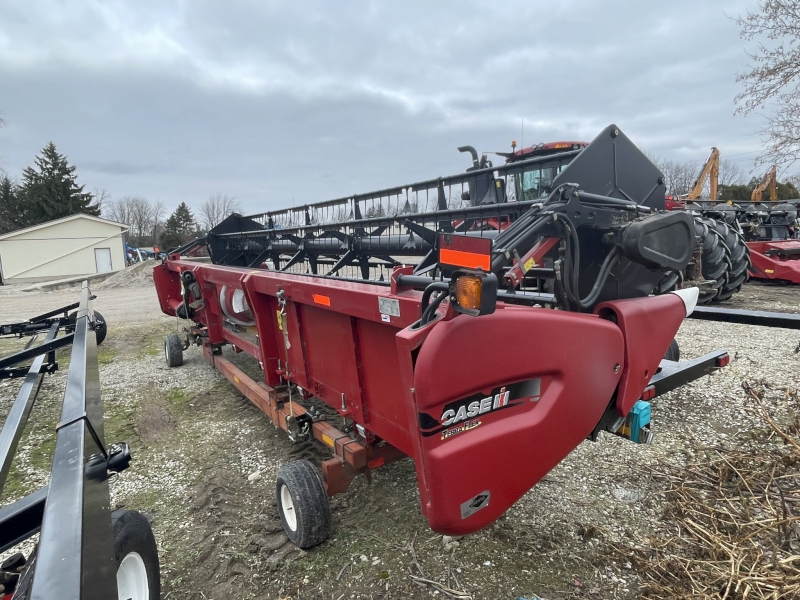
(770, 180)
(710, 170)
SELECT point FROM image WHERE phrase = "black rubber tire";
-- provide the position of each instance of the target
(673, 352)
(310, 506)
(132, 533)
(715, 258)
(102, 329)
(739, 256)
(173, 350)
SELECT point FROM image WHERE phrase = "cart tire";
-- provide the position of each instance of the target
(138, 571)
(173, 350)
(101, 329)
(673, 352)
(303, 504)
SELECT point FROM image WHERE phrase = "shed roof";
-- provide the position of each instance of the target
(62, 220)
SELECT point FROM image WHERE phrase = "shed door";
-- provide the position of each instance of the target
(102, 258)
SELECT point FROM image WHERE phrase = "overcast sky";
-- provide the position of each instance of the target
(177, 100)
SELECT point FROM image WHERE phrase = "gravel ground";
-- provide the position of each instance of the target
(205, 461)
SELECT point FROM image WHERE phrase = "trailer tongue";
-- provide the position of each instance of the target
(444, 350)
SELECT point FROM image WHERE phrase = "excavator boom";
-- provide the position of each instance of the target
(770, 180)
(710, 171)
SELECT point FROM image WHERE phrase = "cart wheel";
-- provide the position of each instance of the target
(138, 572)
(303, 504)
(102, 328)
(173, 350)
(673, 352)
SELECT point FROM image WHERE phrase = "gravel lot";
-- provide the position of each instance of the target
(205, 462)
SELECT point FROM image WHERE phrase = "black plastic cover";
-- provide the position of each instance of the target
(664, 241)
(613, 166)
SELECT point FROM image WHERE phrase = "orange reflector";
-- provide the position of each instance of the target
(470, 260)
(378, 462)
(468, 292)
(319, 299)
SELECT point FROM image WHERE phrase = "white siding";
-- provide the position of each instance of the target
(60, 250)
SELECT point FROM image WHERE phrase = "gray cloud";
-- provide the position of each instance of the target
(176, 100)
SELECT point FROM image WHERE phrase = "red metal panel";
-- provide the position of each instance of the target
(264, 310)
(649, 326)
(570, 359)
(331, 358)
(168, 286)
(383, 384)
(769, 263)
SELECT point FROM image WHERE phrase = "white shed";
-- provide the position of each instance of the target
(69, 247)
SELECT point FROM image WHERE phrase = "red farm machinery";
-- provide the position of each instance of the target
(483, 338)
(773, 233)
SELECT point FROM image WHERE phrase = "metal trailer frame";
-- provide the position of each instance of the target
(75, 554)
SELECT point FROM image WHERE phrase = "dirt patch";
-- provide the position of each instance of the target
(137, 275)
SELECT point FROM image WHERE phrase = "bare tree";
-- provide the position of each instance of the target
(116, 210)
(730, 173)
(772, 81)
(139, 214)
(216, 208)
(679, 176)
(100, 197)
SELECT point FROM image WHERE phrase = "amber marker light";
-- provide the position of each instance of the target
(468, 292)
(473, 292)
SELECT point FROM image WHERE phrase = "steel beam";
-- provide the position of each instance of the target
(20, 410)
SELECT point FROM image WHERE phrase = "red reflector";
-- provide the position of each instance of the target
(649, 393)
(319, 299)
(374, 464)
(470, 260)
(722, 361)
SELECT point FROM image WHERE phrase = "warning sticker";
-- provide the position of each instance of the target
(389, 306)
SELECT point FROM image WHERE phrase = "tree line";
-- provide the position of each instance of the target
(49, 190)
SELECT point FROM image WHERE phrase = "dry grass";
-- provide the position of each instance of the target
(734, 517)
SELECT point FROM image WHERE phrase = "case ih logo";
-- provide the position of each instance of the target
(460, 415)
(451, 416)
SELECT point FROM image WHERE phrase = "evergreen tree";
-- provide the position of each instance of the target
(12, 216)
(50, 191)
(180, 227)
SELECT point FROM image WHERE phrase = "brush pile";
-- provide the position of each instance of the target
(733, 515)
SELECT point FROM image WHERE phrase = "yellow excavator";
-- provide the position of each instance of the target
(770, 180)
(710, 171)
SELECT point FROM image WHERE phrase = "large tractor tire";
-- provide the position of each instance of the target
(739, 256)
(716, 258)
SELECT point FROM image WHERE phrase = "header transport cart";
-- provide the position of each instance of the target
(482, 334)
(85, 551)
